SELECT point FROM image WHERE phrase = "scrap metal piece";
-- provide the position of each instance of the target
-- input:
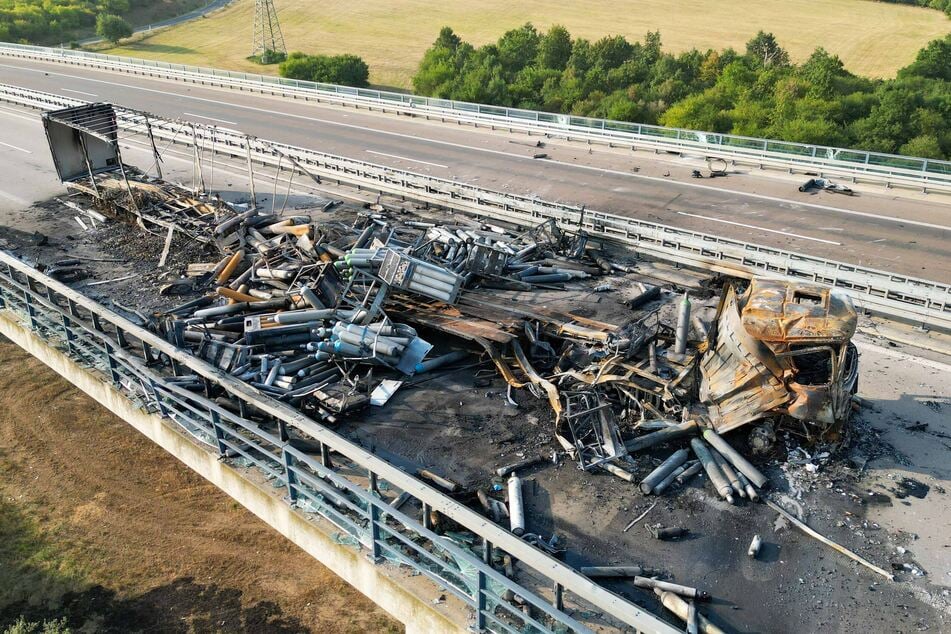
(825, 540)
(665, 469)
(681, 608)
(717, 479)
(735, 458)
(665, 533)
(676, 588)
(755, 545)
(516, 506)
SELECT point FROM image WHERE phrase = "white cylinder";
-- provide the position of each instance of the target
(516, 509)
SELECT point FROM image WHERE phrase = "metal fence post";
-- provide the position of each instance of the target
(374, 514)
(68, 333)
(113, 366)
(480, 601)
(158, 401)
(291, 478)
(30, 311)
(219, 434)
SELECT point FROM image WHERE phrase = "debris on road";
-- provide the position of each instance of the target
(826, 185)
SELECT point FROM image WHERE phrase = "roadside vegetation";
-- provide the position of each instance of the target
(940, 5)
(873, 39)
(60, 21)
(757, 91)
(348, 70)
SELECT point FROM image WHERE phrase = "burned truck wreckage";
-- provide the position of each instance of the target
(336, 312)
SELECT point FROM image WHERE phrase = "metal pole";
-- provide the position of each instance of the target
(92, 178)
(254, 200)
(198, 179)
(155, 152)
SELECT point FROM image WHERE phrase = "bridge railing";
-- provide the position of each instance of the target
(889, 169)
(321, 472)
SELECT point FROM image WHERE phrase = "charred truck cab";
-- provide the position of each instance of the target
(783, 351)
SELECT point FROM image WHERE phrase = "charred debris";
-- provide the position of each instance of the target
(335, 316)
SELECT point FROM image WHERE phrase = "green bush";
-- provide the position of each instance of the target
(112, 27)
(755, 93)
(348, 70)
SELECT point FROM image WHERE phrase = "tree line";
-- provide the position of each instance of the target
(940, 5)
(59, 21)
(755, 92)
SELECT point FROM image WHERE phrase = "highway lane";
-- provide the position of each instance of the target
(894, 233)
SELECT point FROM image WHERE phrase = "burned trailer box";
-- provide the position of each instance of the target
(781, 349)
(83, 140)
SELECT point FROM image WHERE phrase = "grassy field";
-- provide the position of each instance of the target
(102, 527)
(872, 38)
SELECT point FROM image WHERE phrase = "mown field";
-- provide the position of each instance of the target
(104, 529)
(872, 38)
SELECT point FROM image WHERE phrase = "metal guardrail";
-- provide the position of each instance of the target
(913, 300)
(343, 486)
(890, 169)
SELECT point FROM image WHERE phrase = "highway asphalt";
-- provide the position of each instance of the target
(893, 230)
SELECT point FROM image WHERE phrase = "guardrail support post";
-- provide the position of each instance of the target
(373, 512)
(558, 601)
(480, 603)
(113, 366)
(68, 333)
(427, 519)
(291, 477)
(30, 311)
(219, 434)
(325, 456)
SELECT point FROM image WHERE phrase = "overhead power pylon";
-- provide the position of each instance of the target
(267, 45)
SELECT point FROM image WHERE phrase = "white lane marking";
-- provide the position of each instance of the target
(740, 224)
(406, 158)
(16, 147)
(80, 92)
(18, 115)
(201, 116)
(879, 240)
(602, 170)
(903, 356)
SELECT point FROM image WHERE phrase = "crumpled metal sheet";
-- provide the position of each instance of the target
(736, 383)
(764, 359)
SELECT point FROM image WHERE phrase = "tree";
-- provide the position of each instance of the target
(611, 52)
(349, 70)
(925, 146)
(518, 48)
(554, 48)
(439, 66)
(112, 27)
(933, 61)
(766, 51)
(821, 71)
